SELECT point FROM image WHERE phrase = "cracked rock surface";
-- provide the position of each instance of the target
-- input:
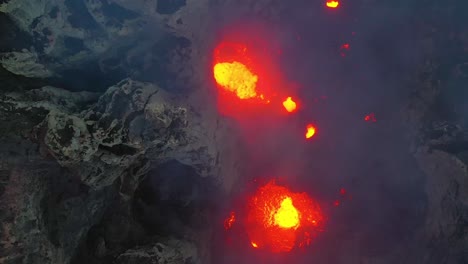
(171, 251)
(98, 149)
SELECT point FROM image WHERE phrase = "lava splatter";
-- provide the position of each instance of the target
(310, 131)
(228, 222)
(370, 118)
(290, 105)
(332, 4)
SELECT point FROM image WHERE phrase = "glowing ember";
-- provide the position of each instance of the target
(343, 49)
(278, 219)
(289, 105)
(230, 221)
(342, 191)
(332, 4)
(236, 77)
(310, 131)
(370, 118)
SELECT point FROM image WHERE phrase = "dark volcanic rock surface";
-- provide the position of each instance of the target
(82, 153)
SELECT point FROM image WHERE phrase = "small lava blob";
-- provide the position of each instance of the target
(290, 105)
(332, 4)
(310, 131)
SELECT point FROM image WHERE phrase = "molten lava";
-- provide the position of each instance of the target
(370, 118)
(344, 49)
(230, 221)
(279, 220)
(289, 105)
(332, 4)
(287, 216)
(247, 72)
(236, 77)
(310, 131)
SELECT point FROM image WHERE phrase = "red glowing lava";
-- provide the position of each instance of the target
(370, 118)
(310, 131)
(279, 220)
(233, 71)
(241, 82)
(247, 72)
(342, 191)
(332, 4)
(230, 221)
(344, 49)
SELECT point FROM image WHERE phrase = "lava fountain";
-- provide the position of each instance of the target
(241, 80)
(246, 71)
(279, 220)
(234, 71)
(236, 77)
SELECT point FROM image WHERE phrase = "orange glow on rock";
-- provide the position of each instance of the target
(289, 105)
(332, 4)
(254, 244)
(279, 220)
(230, 221)
(310, 131)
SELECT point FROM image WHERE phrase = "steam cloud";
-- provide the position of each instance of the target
(370, 160)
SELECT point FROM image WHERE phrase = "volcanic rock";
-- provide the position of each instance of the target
(169, 251)
(24, 63)
(130, 129)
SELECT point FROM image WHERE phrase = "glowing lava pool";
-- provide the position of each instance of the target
(246, 70)
(237, 78)
(279, 220)
(237, 74)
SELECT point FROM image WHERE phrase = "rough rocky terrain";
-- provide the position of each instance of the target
(88, 136)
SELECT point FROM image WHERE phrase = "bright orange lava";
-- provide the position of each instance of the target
(310, 131)
(247, 72)
(332, 4)
(279, 220)
(289, 105)
(237, 78)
